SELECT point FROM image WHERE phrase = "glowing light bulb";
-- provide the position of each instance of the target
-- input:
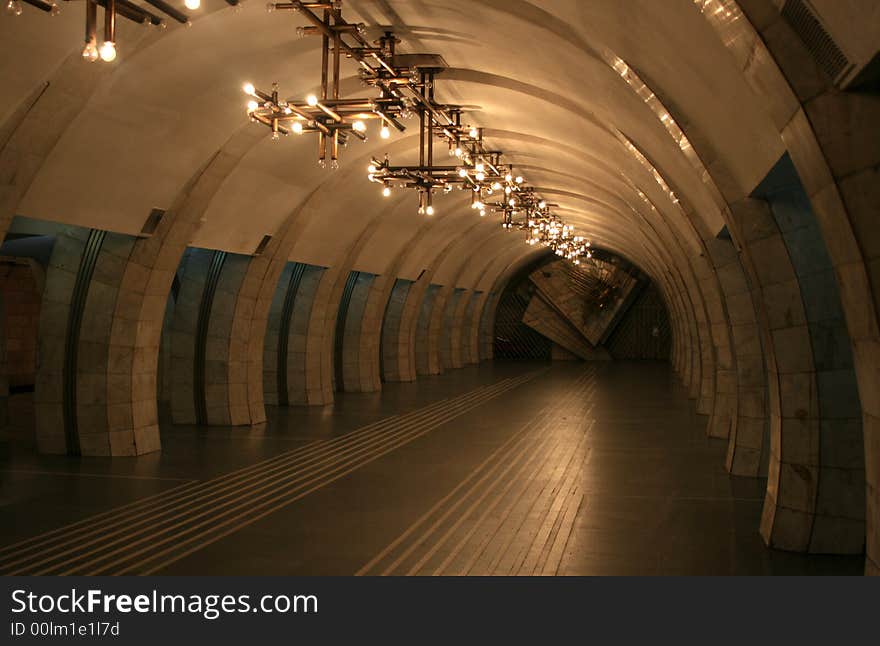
(462, 172)
(384, 132)
(508, 177)
(482, 213)
(359, 126)
(458, 152)
(386, 191)
(519, 180)
(108, 51)
(429, 210)
(496, 186)
(249, 88)
(480, 177)
(474, 133)
(480, 167)
(252, 106)
(312, 100)
(192, 5)
(90, 51)
(297, 127)
(371, 169)
(542, 204)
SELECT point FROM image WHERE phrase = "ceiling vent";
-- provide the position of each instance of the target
(151, 223)
(261, 248)
(845, 69)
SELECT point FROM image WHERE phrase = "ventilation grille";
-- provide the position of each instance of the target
(261, 248)
(513, 338)
(818, 42)
(644, 332)
(152, 222)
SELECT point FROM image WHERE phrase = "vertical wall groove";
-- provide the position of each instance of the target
(71, 342)
(395, 302)
(284, 332)
(341, 318)
(204, 320)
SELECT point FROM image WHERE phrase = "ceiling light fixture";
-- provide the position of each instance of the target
(405, 86)
(113, 9)
(333, 118)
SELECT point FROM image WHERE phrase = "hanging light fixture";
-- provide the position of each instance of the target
(405, 87)
(112, 9)
(333, 118)
(15, 8)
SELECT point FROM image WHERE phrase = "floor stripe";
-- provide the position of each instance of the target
(541, 459)
(508, 455)
(508, 445)
(536, 551)
(147, 511)
(543, 507)
(542, 446)
(298, 452)
(275, 508)
(250, 494)
(500, 553)
(78, 474)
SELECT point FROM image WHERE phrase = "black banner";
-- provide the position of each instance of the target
(228, 610)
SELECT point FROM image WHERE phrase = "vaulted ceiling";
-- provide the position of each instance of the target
(537, 77)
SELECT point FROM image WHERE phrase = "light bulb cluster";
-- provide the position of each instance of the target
(113, 9)
(493, 185)
(559, 238)
(476, 169)
(405, 86)
(14, 7)
(334, 119)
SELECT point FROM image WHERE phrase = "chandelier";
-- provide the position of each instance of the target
(336, 120)
(477, 168)
(113, 9)
(404, 87)
(559, 237)
(14, 6)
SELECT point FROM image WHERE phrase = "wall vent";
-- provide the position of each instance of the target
(822, 47)
(263, 244)
(152, 222)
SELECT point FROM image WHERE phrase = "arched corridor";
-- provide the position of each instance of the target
(629, 323)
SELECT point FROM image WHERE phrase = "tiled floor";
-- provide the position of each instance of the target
(505, 468)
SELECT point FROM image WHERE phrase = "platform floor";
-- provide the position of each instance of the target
(503, 468)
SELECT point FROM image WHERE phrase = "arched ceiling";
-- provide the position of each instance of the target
(535, 73)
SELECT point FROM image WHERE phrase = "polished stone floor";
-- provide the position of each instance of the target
(504, 468)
